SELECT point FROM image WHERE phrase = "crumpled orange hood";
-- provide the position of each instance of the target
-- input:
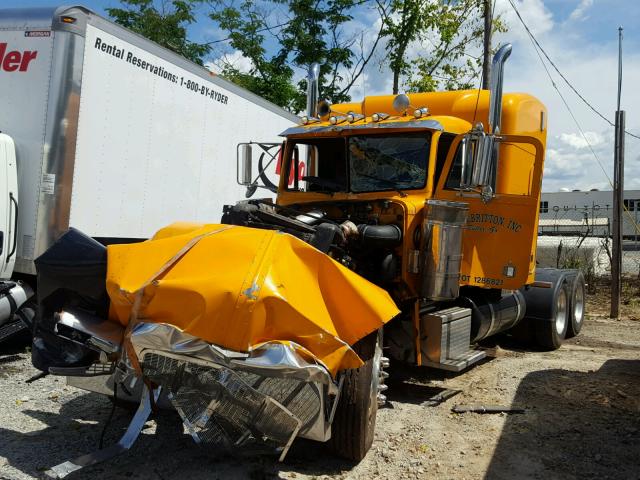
(238, 287)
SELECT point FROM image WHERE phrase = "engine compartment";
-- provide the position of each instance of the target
(365, 236)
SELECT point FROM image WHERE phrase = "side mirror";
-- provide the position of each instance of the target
(244, 164)
(478, 159)
(267, 154)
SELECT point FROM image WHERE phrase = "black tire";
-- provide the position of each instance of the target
(355, 418)
(550, 334)
(576, 305)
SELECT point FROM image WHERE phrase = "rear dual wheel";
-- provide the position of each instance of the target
(576, 306)
(555, 307)
(550, 334)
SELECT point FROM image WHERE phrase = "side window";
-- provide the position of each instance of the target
(320, 165)
(511, 174)
(455, 174)
(444, 144)
(544, 207)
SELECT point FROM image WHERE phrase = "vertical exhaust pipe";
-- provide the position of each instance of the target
(313, 92)
(495, 89)
(313, 79)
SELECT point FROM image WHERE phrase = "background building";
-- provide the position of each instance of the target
(587, 213)
(575, 231)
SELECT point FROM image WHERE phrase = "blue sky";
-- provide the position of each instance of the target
(602, 17)
(580, 36)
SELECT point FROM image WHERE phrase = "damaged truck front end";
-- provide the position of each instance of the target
(247, 333)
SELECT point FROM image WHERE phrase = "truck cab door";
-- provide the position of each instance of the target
(8, 206)
(499, 239)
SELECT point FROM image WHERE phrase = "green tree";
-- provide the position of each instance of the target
(165, 22)
(443, 32)
(307, 31)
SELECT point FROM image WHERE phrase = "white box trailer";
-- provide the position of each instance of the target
(113, 135)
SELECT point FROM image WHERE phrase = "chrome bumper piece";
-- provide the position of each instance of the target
(250, 402)
(226, 398)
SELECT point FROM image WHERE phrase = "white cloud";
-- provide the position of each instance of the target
(580, 11)
(235, 59)
(592, 69)
(538, 17)
(571, 164)
(576, 140)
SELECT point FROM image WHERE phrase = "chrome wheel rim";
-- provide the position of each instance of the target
(578, 304)
(561, 311)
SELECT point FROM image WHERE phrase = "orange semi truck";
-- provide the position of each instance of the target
(406, 222)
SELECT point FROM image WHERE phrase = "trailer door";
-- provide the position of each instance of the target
(8, 206)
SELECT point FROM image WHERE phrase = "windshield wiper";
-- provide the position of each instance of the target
(390, 183)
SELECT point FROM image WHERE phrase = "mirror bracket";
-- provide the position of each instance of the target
(479, 160)
(486, 193)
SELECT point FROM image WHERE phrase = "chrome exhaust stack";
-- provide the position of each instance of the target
(495, 88)
(313, 80)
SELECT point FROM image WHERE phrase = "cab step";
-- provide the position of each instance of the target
(445, 340)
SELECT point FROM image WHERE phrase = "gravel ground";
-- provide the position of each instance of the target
(581, 420)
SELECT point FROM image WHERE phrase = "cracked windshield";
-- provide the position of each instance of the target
(373, 163)
(388, 163)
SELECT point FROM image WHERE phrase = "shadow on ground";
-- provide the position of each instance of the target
(577, 425)
(168, 453)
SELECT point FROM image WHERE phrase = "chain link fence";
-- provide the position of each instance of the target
(580, 237)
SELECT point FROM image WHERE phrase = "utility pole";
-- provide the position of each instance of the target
(618, 193)
(486, 60)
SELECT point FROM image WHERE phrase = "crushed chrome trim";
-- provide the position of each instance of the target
(271, 359)
(273, 378)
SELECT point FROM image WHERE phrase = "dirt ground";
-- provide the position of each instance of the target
(581, 420)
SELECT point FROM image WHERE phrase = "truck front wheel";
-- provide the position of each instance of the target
(355, 418)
